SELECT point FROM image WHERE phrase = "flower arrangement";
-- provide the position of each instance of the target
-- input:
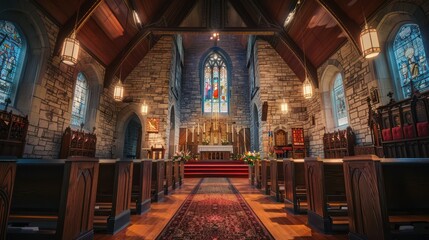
(224, 142)
(251, 157)
(206, 141)
(182, 156)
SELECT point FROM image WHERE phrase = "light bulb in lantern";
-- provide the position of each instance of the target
(284, 107)
(308, 89)
(70, 50)
(369, 42)
(118, 92)
(144, 108)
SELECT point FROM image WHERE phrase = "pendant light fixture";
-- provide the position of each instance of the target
(369, 40)
(307, 87)
(284, 107)
(118, 92)
(70, 50)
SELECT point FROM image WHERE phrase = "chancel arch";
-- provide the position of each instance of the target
(215, 77)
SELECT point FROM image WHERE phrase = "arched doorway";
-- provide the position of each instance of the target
(255, 129)
(133, 138)
(172, 133)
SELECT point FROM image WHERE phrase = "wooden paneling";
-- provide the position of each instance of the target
(295, 188)
(265, 176)
(142, 182)
(168, 176)
(277, 179)
(158, 173)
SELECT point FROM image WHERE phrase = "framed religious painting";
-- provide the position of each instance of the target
(152, 125)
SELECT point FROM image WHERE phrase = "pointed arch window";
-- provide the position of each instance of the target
(410, 59)
(215, 87)
(80, 100)
(339, 102)
(12, 51)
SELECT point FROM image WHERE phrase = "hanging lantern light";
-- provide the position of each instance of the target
(284, 107)
(308, 89)
(118, 92)
(70, 51)
(144, 108)
(369, 42)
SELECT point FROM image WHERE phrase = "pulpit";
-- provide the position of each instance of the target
(215, 152)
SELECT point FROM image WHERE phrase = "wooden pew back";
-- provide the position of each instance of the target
(141, 190)
(383, 191)
(295, 189)
(265, 176)
(277, 179)
(158, 173)
(62, 189)
(325, 192)
(7, 179)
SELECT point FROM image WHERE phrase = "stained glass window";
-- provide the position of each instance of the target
(11, 45)
(80, 100)
(339, 99)
(215, 92)
(410, 59)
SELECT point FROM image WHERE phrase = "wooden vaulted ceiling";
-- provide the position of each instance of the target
(107, 31)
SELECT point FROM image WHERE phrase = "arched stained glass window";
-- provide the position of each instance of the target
(339, 102)
(80, 100)
(215, 92)
(410, 57)
(11, 60)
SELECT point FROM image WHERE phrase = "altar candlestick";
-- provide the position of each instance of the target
(204, 130)
(193, 133)
(227, 128)
(198, 129)
(186, 138)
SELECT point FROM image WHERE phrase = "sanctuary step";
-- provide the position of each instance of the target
(232, 169)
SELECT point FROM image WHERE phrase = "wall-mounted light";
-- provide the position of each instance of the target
(284, 107)
(144, 108)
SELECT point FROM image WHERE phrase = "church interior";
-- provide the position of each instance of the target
(214, 119)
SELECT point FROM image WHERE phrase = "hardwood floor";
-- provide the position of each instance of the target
(281, 224)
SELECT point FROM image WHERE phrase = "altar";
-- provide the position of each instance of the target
(215, 152)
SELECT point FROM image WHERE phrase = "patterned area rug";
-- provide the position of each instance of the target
(215, 210)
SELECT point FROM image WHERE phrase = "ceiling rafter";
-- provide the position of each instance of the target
(85, 11)
(166, 15)
(349, 27)
(290, 44)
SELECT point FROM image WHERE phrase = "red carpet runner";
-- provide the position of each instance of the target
(215, 210)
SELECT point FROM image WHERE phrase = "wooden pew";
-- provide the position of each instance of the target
(181, 172)
(7, 179)
(258, 174)
(141, 190)
(277, 179)
(176, 177)
(158, 172)
(53, 199)
(112, 207)
(265, 176)
(326, 197)
(295, 188)
(168, 176)
(388, 198)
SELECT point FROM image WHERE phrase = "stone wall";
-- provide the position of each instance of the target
(191, 101)
(276, 82)
(149, 82)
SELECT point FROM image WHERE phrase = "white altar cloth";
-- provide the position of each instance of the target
(215, 148)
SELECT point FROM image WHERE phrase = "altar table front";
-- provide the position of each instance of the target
(215, 152)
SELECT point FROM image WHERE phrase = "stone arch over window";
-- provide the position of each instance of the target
(389, 22)
(215, 81)
(37, 52)
(334, 101)
(92, 72)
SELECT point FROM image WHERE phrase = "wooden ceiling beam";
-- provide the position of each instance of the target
(290, 44)
(169, 14)
(229, 30)
(85, 11)
(349, 27)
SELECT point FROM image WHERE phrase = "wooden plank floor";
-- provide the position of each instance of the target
(280, 224)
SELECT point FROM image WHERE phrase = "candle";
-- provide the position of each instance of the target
(198, 129)
(227, 128)
(186, 138)
(244, 136)
(204, 130)
(193, 133)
